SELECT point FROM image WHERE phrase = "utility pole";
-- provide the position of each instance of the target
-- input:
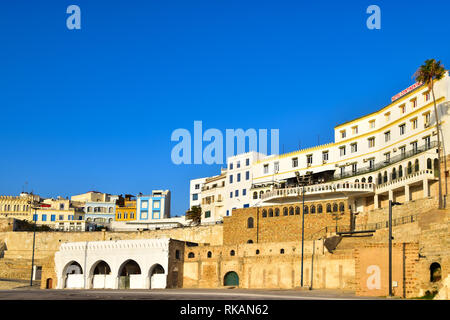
(391, 204)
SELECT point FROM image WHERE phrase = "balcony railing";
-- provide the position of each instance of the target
(320, 188)
(417, 175)
(392, 160)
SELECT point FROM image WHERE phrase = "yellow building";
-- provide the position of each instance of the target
(126, 208)
(18, 207)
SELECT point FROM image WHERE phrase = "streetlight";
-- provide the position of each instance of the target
(303, 232)
(391, 204)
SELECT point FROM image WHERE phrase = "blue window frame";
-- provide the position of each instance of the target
(244, 192)
(52, 217)
(195, 196)
(236, 193)
(231, 179)
(231, 194)
(247, 175)
(247, 162)
(44, 217)
(238, 177)
(34, 217)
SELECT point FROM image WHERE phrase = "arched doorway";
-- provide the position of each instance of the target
(127, 272)
(158, 278)
(73, 276)
(231, 279)
(49, 283)
(100, 276)
(435, 272)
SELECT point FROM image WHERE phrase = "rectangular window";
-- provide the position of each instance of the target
(354, 147)
(197, 186)
(61, 217)
(231, 194)
(231, 178)
(247, 175)
(355, 130)
(372, 124)
(388, 156)
(238, 164)
(342, 151)
(236, 193)
(427, 96)
(231, 166)
(387, 116)
(44, 217)
(52, 217)
(342, 171)
(309, 159)
(343, 134)
(414, 146)
(276, 166)
(403, 151)
(144, 204)
(156, 204)
(427, 141)
(414, 103)
(402, 108)
(325, 156)
(207, 214)
(266, 168)
(125, 215)
(402, 129)
(372, 163)
(119, 215)
(244, 192)
(238, 177)
(387, 136)
(247, 162)
(354, 167)
(427, 119)
(294, 162)
(195, 196)
(414, 123)
(35, 217)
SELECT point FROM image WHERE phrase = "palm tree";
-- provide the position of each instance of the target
(194, 214)
(427, 74)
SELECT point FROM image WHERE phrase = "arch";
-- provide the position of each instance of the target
(363, 180)
(341, 207)
(73, 267)
(335, 207)
(285, 211)
(100, 267)
(385, 177)
(369, 180)
(416, 165)
(297, 210)
(356, 180)
(305, 209)
(313, 209)
(73, 275)
(435, 272)
(231, 279)
(264, 213)
(209, 254)
(129, 267)
(49, 283)
(281, 251)
(319, 208)
(250, 223)
(110, 210)
(158, 278)
(394, 174)
(400, 171)
(191, 255)
(429, 164)
(380, 178)
(232, 253)
(250, 241)
(277, 212)
(409, 168)
(436, 167)
(291, 211)
(156, 269)
(255, 195)
(328, 207)
(270, 212)
(261, 194)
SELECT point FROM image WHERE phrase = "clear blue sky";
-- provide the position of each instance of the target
(94, 109)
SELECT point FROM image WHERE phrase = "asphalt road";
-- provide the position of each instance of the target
(176, 294)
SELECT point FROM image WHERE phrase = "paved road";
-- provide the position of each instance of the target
(176, 294)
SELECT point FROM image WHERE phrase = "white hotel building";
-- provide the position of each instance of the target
(390, 154)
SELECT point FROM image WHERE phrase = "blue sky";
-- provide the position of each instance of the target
(94, 109)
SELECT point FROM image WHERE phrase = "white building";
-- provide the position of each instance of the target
(386, 154)
(195, 192)
(121, 264)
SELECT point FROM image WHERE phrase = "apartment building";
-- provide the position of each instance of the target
(389, 154)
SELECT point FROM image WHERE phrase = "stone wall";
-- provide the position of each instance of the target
(278, 228)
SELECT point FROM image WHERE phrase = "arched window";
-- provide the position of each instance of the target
(255, 195)
(394, 174)
(416, 165)
(281, 251)
(436, 167)
(297, 210)
(335, 207)
(270, 212)
(341, 207)
(328, 207)
(319, 208)
(385, 177)
(400, 171)
(313, 209)
(261, 194)
(429, 164)
(291, 211)
(363, 180)
(110, 210)
(285, 211)
(380, 178)
(277, 212)
(191, 255)
(232, 253)
(369, 180)
(409, 169)
(435, 272)
(356, 180)
(250, 223)
(257, 251)
(305, 210)
(209, 255)
(250, 241)
(264, 213)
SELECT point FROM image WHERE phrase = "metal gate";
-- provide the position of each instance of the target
(231, 279)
